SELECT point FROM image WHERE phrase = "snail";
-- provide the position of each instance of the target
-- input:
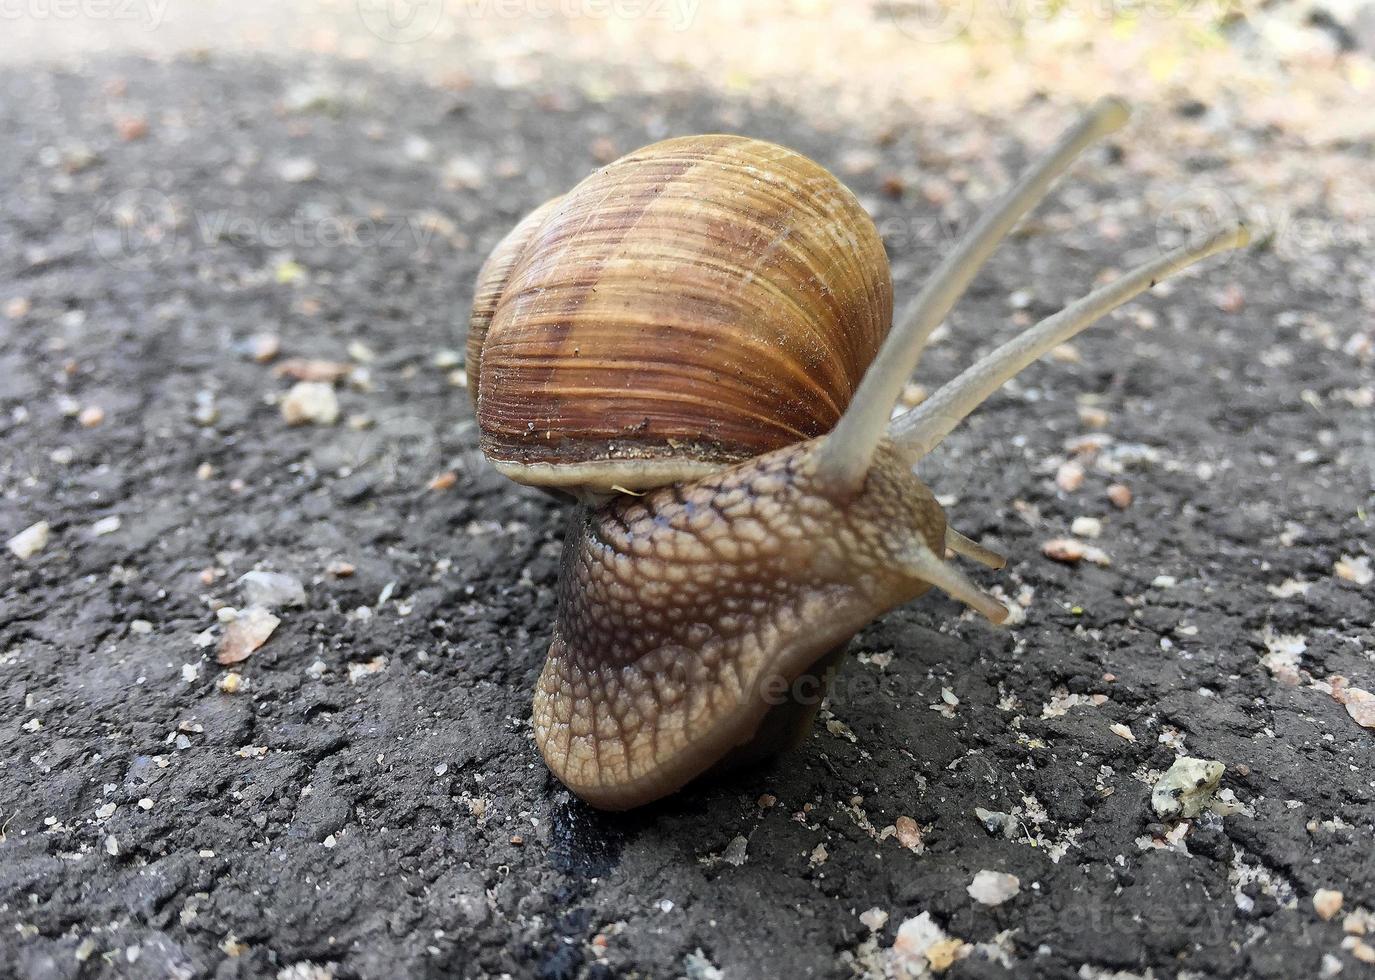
(695, 343)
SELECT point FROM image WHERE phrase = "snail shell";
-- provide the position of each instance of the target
(698, 302)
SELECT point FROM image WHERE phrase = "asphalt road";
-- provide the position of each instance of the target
(363, 797)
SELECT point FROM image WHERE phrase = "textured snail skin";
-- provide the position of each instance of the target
(687, 614)
(698, 302)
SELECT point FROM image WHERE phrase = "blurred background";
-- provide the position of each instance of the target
(1212, 80)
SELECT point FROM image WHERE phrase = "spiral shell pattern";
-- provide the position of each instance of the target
(698, 302)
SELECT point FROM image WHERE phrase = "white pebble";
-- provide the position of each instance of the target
(29, 541)
(1122, 731)
(993, 887)
(874, 919)
(310, 401)
(1086, 527)
(297, 170)
(272, 589)
(104, 526)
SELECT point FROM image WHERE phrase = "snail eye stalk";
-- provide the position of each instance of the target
(844, 458)
(922, 429)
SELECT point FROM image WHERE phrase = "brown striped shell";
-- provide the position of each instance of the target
(698, 302)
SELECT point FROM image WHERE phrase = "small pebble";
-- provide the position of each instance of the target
(874, 919)
(1070, 476)
(246, 633)
(298, 170)
(1122, 731)
(463, 173)
(104, 526)
(91, 416)
(993, 887)
(1072, 552)
(1231, 298)
(264, 347)
(1063, 549)
(310, 401)
(230, 683)
(1327, 903)
(271, 589)
(29, 541)
(1086, 527)
(131, 128)
(1094, 418)
(1121, 495)
(908, 833)
(1354, 569)
(314, 369)
(604, 150)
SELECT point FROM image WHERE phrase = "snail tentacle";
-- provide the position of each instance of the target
(919, 431)
(846, 455)
(924, 564)
(971, 549)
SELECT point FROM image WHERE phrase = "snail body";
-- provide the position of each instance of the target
(703, 328)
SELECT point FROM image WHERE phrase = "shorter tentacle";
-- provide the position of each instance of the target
(923, 564)
(972, 550)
